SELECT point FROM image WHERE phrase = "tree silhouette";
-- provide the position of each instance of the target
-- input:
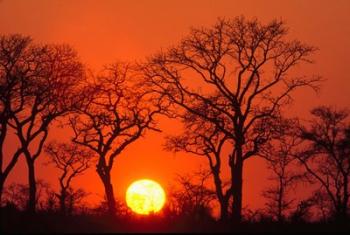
(117, 112)
(235, 75)
(12, 50)
(74, 198)
(193, 198)
(17, 194)
(326, 156)
(322, 203)
(40, 82)
(280, 155)
(204, 139)
(72, 161)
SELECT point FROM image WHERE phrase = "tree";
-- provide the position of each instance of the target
(193, 199)
(42, 82)
(326, 156)
(322, 204)
(74, 199)
(117, 111)
(17, 194)
(236, 76)
(280, 155)
(203, 139)
(12, 48)
(302, 211)
(72, 160)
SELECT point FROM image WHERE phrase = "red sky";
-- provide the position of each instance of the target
(103, 31)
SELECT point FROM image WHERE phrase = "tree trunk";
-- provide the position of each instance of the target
(280, 202)
(223, 200)
(32, 186)
(224, 210)
(70, 205)
(2, 139)
(2, 181)
(345, 197)
(237, 181)
(110, 198)
(63, 197)
(106, 180)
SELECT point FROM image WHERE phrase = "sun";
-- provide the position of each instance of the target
(145, 196)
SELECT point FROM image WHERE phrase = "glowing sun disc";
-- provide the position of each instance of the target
(145, 196)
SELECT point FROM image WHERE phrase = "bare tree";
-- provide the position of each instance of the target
(203, 139)
(17, 194)
(72, 160)
(326, 156)
(235, 75)
(322, 204)
(12, 50)
(116, 113)
(74, 198)
(44, 78)
(280, 155)
(194, 197)
(302, 211)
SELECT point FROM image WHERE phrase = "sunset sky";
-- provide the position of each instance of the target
(103, 31)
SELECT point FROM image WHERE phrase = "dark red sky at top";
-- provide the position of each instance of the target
(103, 31)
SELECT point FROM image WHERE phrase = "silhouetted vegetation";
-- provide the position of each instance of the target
(193, 200)
(326, 157)
(280, 155)
(233, 79)
(38, 86)
(115, 113)
(228, 84)
(72, 162)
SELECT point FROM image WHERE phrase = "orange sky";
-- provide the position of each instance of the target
(103, 31)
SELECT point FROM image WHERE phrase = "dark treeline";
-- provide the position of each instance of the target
(229, 85)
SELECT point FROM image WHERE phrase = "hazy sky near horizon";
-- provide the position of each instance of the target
(103, 31)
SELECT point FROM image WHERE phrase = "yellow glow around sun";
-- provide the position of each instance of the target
(145, 196)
